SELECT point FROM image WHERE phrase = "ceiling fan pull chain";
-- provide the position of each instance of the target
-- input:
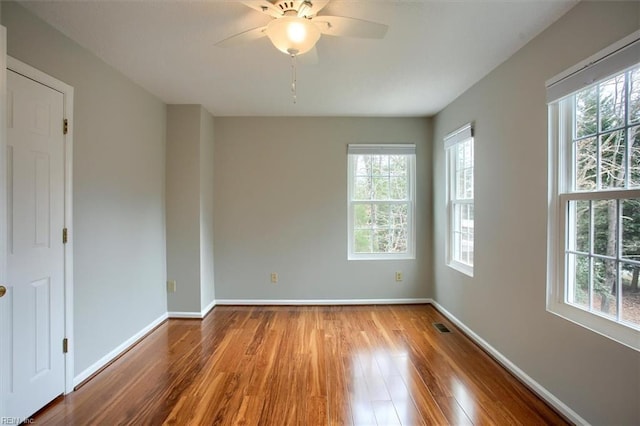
(294, 78)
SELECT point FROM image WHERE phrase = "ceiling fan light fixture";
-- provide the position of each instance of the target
(293, 35)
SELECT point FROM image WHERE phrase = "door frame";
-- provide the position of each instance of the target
(4, 312)
(67, 92)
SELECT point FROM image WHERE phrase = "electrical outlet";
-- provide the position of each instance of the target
(171, 286)
(398, 276)
(274, 277)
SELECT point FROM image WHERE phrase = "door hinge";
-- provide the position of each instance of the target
(65, 236)
(65, 126)
(65, 345)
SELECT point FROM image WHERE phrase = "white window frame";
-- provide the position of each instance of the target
(382, 149)
(451, 143)
(611, 61)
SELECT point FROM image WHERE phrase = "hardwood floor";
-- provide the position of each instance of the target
(338, 365)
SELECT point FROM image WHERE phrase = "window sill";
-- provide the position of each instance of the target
(372, 256)
(461, 267)
(613, 330)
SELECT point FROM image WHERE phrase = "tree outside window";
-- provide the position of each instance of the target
(381, 201)
(603, 221)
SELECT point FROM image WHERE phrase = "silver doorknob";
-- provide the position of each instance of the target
(3, 290)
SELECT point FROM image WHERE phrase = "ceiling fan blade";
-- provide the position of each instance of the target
(310, 57)
(317, 6)
(350, 27)
(243, 37)
(264, 6)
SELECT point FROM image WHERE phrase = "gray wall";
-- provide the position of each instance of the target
(183, 206)
(118, 188)
(190, 207)
(281, 206)
(207, 290)
(505, 301)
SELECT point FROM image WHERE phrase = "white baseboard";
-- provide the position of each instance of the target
(306, 302)
(117, 351)
(536, 387)
(208, 308)
(193, 315)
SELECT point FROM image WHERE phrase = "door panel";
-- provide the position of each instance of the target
(35, 202)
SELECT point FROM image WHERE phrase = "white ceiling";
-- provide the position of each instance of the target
(433, 52)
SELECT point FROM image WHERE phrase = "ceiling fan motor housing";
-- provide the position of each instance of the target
(300, 8)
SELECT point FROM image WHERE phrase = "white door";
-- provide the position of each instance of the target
(35, 254)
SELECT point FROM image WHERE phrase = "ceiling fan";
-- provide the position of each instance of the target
(297, 27)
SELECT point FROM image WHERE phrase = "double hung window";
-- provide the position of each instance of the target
(594, 240)
(459, 147)
(381, 198)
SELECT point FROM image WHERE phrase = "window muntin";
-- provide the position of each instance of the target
(381, 202)
(460, 199)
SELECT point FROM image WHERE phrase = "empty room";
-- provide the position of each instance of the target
(324, 212)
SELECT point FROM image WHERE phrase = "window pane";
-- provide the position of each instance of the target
(464, 250)
(460, 184)
(363, 165)
(398, 165)
(467, 226)
(381, 241)
(399, 215)
(582, 221)
(585, 154)
(612, 161)
(578, 271)
(457, 243)
(468, 184)
(463, 155)
(463, 233)
(464, 170)
(631, 229)
(457, 217)
(380, 165)
(363, 241)
(456, 235)
(586, 112)
(398, 188)
(381, 188)
(605, 233)
(468, 156)
(381, 215)
(363, 188)
(634, 96)
(630, 293)
(362, 213)
(634, 157)
(466, 220)
(612, 94)
(604, 286)
(398, 240)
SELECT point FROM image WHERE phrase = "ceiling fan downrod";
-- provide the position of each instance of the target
(294, 77)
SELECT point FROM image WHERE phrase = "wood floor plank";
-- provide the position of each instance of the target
(318, 365)
(338, 407)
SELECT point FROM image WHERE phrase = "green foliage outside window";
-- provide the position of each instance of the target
(606, 150)
(381, 209)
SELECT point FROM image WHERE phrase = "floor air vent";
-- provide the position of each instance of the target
(441, 327)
